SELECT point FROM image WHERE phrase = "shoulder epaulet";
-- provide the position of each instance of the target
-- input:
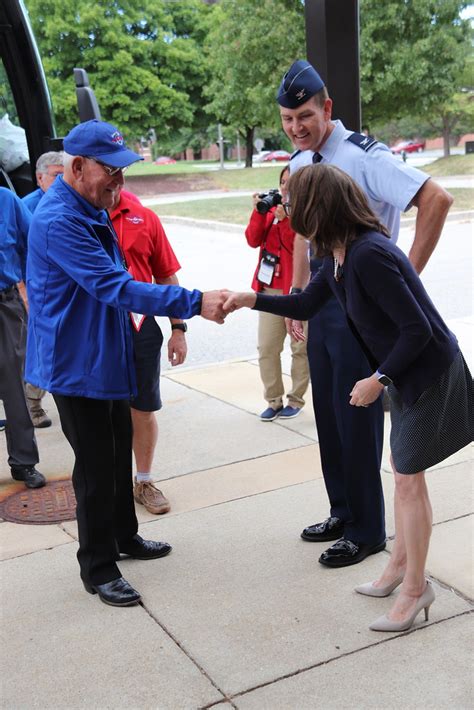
(361, 141)
(293, 155)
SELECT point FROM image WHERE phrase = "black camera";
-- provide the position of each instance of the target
(267, 201)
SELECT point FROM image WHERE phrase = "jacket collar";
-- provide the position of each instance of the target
(72, 197)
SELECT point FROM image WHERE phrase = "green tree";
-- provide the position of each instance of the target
(412, 55)
(143, 58)
(249, 44)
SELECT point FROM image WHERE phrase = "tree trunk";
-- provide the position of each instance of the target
(446, 136)
(249, 146)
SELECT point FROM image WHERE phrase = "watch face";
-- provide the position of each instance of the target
(179, 326)
(384, 380)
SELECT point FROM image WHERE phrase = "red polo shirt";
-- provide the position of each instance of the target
(143, 241)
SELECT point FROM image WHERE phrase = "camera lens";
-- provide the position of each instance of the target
(267, 201)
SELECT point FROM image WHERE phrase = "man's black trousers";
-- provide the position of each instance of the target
(350, 438)
(100, 433)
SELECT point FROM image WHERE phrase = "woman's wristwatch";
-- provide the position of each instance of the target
(383, 379)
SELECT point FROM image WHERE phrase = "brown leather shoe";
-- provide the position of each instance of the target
(148, 495)
(38, 416)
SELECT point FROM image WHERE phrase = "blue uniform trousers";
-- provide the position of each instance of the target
(350, 438)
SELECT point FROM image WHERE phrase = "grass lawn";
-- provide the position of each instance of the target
(259, 178)
(237, 210)
(248, 178)
(463, 198)
(454, 165)
(182, 166)
(262, 177)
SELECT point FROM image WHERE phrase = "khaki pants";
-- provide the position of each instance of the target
(271, 338)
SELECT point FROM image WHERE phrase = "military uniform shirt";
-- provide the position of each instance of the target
(389, 184)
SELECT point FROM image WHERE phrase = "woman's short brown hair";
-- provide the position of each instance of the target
(329, 208)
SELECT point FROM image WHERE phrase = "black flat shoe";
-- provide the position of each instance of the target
(345, 552)
(141, 549)
(30, 476)
(118, 592)
(329, 529)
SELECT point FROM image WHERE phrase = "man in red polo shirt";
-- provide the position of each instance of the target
(149, 257)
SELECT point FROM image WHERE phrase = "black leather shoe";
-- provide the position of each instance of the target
(329, 529)
(141, 549)
(345, 552)
(29, 475)
(118, 592)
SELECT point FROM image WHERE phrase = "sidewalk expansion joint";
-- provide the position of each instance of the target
(456, 517)
(231, 500)
(239, 461)
(236, 406)
(349, 653)
(439, 582)
(74, 539)
(173, 638)
(35, 552)
(217, 703)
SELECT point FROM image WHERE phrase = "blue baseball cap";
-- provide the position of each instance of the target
(299, 84)
(100, 140)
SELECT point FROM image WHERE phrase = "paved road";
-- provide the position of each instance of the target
(218, 258)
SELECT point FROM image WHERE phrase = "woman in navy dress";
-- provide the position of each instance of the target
(409, 347)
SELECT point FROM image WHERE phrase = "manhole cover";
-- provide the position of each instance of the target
(53, 503)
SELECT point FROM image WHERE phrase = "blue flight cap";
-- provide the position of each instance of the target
(100, 140)
(299, 84)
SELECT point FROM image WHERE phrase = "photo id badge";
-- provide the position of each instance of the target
(267, 267)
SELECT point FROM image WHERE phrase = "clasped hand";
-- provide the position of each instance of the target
(365, 392)
(216, 305)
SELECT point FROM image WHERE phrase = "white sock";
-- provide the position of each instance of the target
(142, 477)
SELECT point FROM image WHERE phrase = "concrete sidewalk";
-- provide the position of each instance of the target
(240, 614)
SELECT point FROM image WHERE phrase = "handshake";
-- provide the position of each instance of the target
(216, 305)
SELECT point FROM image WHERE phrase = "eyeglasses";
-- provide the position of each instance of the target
(287, 208)
(111, 171)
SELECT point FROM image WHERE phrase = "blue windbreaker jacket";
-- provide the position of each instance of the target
(80, 294)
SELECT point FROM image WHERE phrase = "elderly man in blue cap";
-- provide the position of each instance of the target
(80, 346)
(350, 438)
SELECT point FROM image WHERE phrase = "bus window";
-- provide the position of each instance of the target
(7, 103)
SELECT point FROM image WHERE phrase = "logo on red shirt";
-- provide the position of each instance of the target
(134, 219)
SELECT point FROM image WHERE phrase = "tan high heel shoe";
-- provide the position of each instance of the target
(383, 623)
(370, 591)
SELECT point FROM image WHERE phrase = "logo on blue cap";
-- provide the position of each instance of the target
(299, 84)
(117, 138)
(100, 140)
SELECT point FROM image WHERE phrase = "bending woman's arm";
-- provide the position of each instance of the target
(301, 306)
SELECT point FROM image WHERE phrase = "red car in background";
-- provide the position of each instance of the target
(276, 155)
(408, 147)
(164, 160)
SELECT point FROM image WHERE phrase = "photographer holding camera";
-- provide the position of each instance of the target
(270, 230)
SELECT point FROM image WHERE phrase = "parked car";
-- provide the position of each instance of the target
(260, 157)
(276, 155)
(164, 160)
(408, 147)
